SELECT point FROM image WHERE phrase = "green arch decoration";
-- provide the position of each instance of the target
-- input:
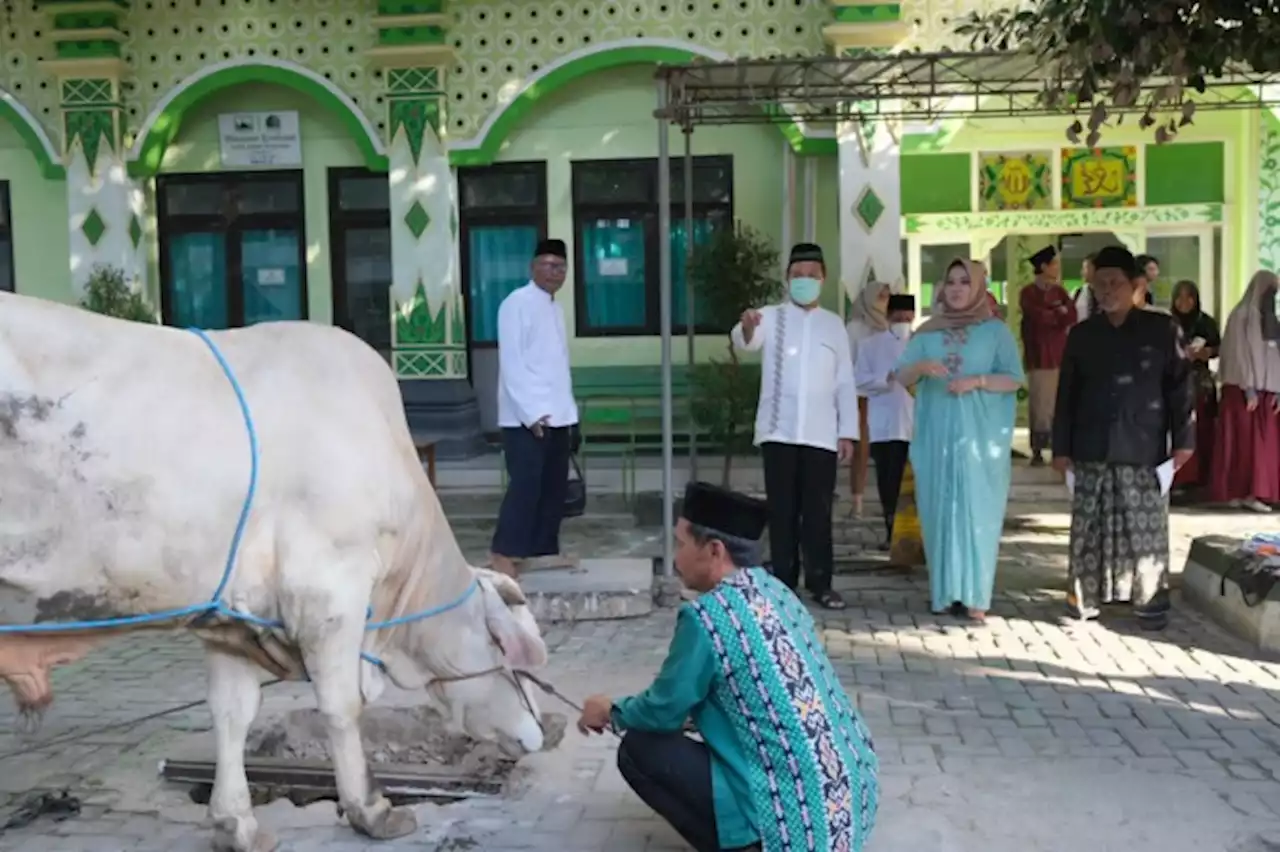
(625, 54)
(163, 125)
(34, 140)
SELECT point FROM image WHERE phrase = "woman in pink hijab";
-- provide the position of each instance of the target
(965, 366)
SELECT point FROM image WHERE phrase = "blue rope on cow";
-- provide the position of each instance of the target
(215, 603)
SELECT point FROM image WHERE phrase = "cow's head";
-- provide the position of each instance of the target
(471, 671)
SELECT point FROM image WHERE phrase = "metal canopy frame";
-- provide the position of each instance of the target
(907, 86)
(911, 87)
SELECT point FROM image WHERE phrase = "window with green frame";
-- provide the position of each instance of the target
(615, 215)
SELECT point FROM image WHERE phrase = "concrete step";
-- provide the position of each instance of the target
(597, 590)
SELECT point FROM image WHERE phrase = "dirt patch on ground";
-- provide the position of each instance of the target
(395, 735)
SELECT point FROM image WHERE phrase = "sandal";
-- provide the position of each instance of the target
(830, 599)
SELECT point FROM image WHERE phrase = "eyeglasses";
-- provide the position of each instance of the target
(553, 266)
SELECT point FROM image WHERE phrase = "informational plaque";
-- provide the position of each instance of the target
(260, 139)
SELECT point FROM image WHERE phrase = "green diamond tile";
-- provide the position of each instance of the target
(417, 219)
(868, 208)
(93, 227)
(135, 230)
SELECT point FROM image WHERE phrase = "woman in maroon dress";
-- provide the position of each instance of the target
(1246, 468)
(1202, 339)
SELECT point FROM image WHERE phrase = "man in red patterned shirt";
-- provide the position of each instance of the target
(1047, 315)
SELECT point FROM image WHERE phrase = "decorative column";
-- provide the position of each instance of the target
(1268, 171)
(428, 333)
(428, 323)
(869, 153)
(106, 208)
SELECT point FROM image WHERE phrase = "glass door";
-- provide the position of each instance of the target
(360, 255)
(197, 280)
(231, 249)
(271, 274)
(1184, 254)
(926, 266)
(502, 215)
(6, 240)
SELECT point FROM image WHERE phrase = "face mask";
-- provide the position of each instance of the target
(901, 330)
(805, 291)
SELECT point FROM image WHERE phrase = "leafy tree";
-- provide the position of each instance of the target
(736, 269)
(107, 292)
(1132, 56)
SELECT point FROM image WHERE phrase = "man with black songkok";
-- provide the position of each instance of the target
(1047, 315)
(1124, 418)
(806, 422)
(538, 416)
(784, 761)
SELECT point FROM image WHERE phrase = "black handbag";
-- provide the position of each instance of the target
(575, 495)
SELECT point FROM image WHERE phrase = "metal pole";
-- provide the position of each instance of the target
(688, 293)
(664, 322)
(788, 202)
(810, 200)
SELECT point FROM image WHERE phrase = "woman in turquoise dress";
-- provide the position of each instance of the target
(966, 371)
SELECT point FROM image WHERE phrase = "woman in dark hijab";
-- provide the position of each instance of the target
(1201, 337)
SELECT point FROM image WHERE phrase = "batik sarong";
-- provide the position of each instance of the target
(1119, 542)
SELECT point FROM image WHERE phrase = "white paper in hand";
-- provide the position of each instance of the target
(1071, 481)
(1164, 473)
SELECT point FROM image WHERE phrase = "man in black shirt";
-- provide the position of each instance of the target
(1124, 409)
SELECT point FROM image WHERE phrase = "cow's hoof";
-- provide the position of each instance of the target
(31, 720)
(387, 825)
(235, 835)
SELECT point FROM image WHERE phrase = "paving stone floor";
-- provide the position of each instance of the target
(1019, 735)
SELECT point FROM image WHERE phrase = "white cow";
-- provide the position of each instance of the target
(124, 466)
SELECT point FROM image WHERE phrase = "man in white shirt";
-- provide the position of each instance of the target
(537, 413)
(806, 423)
(890, 408)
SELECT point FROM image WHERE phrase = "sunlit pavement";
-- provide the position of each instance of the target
(1017, 735)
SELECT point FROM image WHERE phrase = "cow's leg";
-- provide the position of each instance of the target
(234, 698)
(333, 662)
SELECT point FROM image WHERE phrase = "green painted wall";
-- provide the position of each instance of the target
(326, 144)
(609, 116)
(936, 183)
(1186, 173)
(39, 209)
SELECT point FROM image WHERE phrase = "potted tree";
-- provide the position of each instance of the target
(736, 269)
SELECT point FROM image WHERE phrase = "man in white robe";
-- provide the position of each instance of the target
(538, 416)
(806, 422)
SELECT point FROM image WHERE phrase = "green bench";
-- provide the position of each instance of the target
(620, 412)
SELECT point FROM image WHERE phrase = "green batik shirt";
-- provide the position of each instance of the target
(683, 690)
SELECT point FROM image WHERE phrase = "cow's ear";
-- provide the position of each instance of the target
(514, 629)
(507, 588)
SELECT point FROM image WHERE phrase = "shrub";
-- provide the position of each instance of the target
(107, 292)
